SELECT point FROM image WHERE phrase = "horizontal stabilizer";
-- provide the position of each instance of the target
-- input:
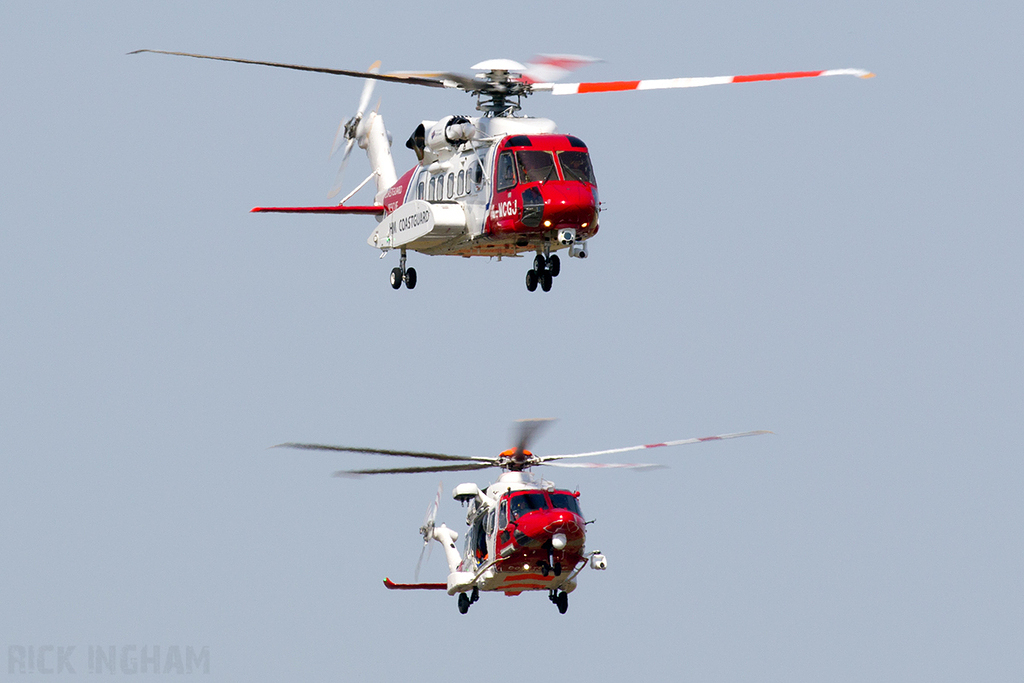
(367, 210)
(415, 586)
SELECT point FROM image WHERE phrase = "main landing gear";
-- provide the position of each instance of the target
(465, 600)
(548, 568)
(560, 598)
(545, 268)
(402, 274)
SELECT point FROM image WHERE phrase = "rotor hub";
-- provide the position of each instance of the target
(502, 92)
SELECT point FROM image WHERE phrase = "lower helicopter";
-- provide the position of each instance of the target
(525, 533)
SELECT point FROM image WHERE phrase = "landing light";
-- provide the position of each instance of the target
(547, 224)
(583, 225)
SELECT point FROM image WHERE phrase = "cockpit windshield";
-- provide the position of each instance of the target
(536, 166)
(576, 166)
(526, 502)
(566, 501)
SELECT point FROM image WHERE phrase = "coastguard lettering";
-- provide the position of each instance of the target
(409, 222)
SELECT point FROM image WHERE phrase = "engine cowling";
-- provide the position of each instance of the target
(448, 134)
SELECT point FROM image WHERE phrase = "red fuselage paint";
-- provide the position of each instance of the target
(526, 540)
(568, 203)
(395, 196)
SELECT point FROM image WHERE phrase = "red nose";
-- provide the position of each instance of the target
(569, 205)
(552, 521)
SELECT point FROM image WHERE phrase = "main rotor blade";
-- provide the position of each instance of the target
(608, 465)
(459, 81)
(412, 80)
(659, 84)
(526, 430)
(551, 68)
(383, 451)
(546, 459)
(416, 470)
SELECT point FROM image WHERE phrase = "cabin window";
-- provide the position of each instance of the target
(461, 187)
(476, 539)
(430, 194)
(478, 175)
(536, 166)
(451, 185)
(419, 191)
(506, 172)
(566, 501)
(526, 502)
(502, 514)
(481, 538)
(576, 166)
(471, 538)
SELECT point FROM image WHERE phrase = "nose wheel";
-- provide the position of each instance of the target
(545, 269)
(554, 265)
(402, 274)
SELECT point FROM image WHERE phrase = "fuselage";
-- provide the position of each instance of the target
(529, 534)
(511, 186)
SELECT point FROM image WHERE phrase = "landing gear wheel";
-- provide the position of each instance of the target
(396, 278)
(531, 280)
(562, 601)
(539, 262)
(554, 265)
(410, 278)
(544, 569)
(476, 595)
(557, 568)
(545, 281)
(464, 603)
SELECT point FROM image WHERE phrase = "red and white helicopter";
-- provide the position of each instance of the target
(493, 185)
(525, 533)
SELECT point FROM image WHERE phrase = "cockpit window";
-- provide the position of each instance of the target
(526, 502)
(506, 172)
(566, 501)
(536, 166)
(576, 166)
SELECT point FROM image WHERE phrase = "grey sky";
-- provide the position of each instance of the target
(836, 260)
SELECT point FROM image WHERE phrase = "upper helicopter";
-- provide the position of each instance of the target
(496, 185)
(525, 533)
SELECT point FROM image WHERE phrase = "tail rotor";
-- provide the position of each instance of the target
(427, 530)
(348, 131)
